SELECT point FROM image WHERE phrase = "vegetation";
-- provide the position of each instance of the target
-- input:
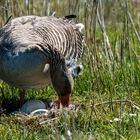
(108, 91)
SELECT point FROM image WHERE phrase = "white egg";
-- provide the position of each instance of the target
(32, 105)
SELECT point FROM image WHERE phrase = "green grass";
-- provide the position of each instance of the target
(108, 91)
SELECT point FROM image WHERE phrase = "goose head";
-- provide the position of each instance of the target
(63, 83)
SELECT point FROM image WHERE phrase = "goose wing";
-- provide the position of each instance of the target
(61, 33)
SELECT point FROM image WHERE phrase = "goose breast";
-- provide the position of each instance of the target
(26, 68)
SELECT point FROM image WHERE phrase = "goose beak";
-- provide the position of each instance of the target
(63, 101)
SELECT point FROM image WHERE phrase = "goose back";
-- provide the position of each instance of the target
(61, 33)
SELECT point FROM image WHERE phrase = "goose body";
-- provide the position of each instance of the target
(36, 51)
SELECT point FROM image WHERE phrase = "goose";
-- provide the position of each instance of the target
(36, 52)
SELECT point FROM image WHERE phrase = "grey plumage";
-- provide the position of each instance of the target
(37, 51)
